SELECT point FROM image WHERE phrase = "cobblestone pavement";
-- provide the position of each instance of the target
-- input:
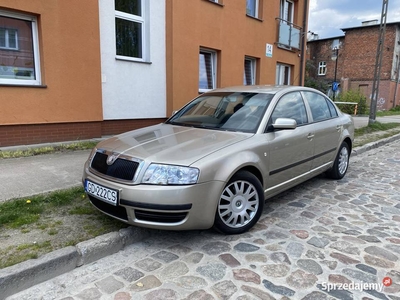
(323, 232)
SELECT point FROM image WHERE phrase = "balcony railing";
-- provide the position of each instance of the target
(289, 34)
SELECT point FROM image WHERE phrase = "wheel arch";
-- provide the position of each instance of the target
(241, 203)
(253, 170)
(349, 143)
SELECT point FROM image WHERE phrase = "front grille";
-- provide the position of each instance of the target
(121, 168)
(116, 211)
(160, 217)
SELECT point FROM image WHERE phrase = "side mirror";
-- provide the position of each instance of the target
(284, 123)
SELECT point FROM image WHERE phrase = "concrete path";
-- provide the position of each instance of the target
(28, 176)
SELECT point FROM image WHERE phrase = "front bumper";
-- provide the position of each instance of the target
(184, 207)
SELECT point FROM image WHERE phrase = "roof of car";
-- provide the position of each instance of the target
(272, 89)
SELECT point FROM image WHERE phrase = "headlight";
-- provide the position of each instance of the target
(168, 174)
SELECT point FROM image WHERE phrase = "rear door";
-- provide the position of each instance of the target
(326, 126)
(291, 150)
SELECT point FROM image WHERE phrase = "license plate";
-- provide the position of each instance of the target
(101, 192)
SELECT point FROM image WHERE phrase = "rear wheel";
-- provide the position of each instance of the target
(341, 163)
(240, 205)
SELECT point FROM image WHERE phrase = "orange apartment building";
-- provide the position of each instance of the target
(50, 87)
(72, 70)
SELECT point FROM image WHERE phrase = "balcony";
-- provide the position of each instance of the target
(289, 35)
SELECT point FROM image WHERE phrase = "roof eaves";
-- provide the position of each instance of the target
(324, 39)
(372, 25)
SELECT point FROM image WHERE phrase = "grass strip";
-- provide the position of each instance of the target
(48, 150)
(47, 216)
(377, 126)
(25, 211)
(391, 112)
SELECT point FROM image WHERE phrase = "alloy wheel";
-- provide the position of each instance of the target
(238, 204)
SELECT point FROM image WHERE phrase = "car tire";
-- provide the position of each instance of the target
(341, 163)
(240, 204)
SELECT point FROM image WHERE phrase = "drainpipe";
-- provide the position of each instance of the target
(303, 42)
(397, 83)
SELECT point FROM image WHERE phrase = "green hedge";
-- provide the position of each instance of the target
(353, 96)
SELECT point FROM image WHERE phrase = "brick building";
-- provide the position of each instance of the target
(356, 61)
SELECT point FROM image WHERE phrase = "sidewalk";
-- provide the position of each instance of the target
(363, 121)
(29, 176)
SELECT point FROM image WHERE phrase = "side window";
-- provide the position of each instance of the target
(332, 109)
(290, 106)
(319, 106)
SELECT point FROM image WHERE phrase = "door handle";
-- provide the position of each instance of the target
(338, 127)
(310, 136)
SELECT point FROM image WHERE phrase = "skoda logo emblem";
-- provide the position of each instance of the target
(111, 159)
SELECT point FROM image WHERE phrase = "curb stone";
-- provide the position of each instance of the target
(359, 150)
(34, 271)
(26, 274)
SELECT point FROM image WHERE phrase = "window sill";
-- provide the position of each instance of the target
(216, 3)
(287, 48)
(40, 86)
(255, 18)
(133, 60)
(9, 49)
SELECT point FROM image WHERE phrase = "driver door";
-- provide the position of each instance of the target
(291, 150)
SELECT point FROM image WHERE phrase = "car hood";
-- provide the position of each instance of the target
(171, 144)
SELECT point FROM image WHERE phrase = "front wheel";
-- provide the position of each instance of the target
(341, 163)
(240, 205)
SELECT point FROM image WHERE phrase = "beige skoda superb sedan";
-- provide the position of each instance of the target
(216, 160)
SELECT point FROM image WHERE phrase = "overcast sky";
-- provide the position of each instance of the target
(328, 16)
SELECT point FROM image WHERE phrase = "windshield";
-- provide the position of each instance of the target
(224, 111)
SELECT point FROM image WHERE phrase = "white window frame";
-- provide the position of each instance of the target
(256, 5)
(213, 72)
(287, 10)
(35, 46)
(283, 74)
(252, 63)
(335, 44)
(144, 33)
(322, 68)
(7, 39)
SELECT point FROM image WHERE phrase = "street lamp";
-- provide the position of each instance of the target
(335, 57)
